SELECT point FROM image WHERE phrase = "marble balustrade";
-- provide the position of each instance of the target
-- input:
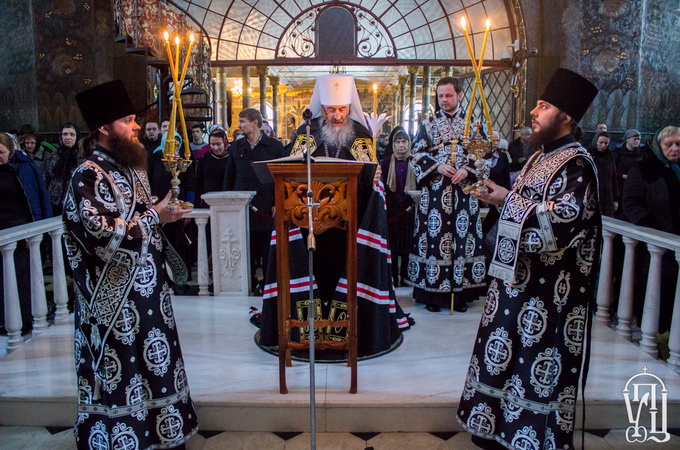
(636, 239)
(229, 211)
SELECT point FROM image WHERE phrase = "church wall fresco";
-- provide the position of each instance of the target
(627, 48)
(17, 66)
(73, 43)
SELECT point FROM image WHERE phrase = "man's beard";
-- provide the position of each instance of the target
(337, 137)
(547, 133)
(127, 152)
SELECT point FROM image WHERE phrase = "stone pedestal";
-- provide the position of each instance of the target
(229, 225)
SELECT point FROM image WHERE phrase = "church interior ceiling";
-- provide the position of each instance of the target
(390, 35)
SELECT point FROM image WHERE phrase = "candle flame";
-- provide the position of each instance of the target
(167, 38)
(176, 40)
(191, 36)
(375, 87)
(488, 23)
(463, 23)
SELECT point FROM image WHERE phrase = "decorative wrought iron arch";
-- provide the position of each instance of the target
(301, 38)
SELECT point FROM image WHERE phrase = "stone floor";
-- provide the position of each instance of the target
(406, 400)
(58, 438)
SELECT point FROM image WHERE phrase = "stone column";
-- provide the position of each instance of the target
(38, 298)
(245, 70)
(403, 79)
(13, 320)
(395, 104)
(604, 285)
(274, 81)
(262, 72)
(425, 109)
(412, 72)
(283, 126)
(625, 311)
(650, 316)
(229, 230)
(674, 341)
(59, 276)
(222, 97)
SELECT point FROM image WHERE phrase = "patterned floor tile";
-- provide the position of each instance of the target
(411, 441)
(244, 441)
(327, 441)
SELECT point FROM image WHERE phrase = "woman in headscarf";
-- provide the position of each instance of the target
(60, 167)
(650, 198)
(398, 178)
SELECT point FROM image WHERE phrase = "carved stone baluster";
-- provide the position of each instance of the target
(59, 276)
(650, 315)
(625, 311)
(604, 285)
(674, 341)
(203, 279)
(11, 292)
(38, 299)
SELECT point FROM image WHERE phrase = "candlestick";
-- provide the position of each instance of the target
(375, 99)
(188, 56)
(479, 78)
(466, 130)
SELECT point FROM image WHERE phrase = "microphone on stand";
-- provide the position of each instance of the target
(307, 117)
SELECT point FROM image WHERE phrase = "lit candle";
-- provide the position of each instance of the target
(479, 79)
(186, 59)
(375, 99)
(466, 130)
(176, 57)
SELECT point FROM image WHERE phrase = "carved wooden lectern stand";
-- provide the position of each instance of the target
(335, 189)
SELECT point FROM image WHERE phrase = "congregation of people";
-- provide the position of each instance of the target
(453, 245)
(216, 166)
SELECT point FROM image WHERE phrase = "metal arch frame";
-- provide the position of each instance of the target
(510, 7)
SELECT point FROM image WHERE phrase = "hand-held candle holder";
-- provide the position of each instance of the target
(477, 148)
(176, 165)
(172, 159)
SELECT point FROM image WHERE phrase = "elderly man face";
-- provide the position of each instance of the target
(336, 115)
(601, 127)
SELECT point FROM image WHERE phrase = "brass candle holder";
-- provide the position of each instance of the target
(477, 148)
(176, 165)
(172, 159)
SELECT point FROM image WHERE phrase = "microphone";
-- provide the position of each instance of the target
(307, 114)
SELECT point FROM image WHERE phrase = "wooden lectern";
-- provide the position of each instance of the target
(335, 187)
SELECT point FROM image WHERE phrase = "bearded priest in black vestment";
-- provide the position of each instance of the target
(523, 378)
(132, 382)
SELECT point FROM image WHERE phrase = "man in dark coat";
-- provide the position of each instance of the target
(240, 176)
(132, 381)
(211, 167)
(606, 173)
(523, 378)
